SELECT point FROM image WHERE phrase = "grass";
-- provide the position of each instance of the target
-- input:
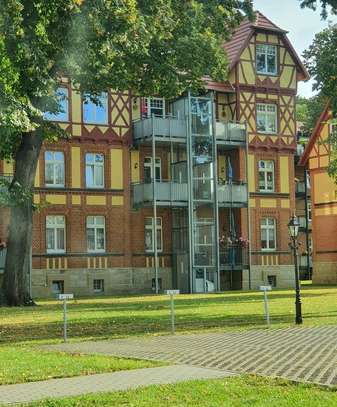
(25, 364)
(21, 329)
(232, 392)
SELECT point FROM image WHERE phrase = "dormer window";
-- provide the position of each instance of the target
(266, 59)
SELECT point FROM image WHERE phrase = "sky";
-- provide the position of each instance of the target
(302, 25)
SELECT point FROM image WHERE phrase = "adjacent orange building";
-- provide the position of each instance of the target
(324, 202)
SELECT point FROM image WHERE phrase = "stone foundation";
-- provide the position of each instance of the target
(324, 273)
(284, 276)
(116, 281)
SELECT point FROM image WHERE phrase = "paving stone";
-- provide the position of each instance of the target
(301, 354)
(107, 382)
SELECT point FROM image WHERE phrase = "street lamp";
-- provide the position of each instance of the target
(293, 228)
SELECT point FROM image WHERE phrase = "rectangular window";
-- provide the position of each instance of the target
(155, 107)
(57, 287)
(96, 233)
(94, 170)
(272, 281)
(266, 118)
(95, 112)
(149, 235)
(266, 176)
(148, 169)
(266, 59)
(54, 168)
(63, 101)
(268, 234)
(55, 234)
(98, 285)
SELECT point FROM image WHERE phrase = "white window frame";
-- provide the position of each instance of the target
(89, 104)
(148, 163)
(55, 223)
(152, 103)
(265, 50)
(54, 162)
(94, 225)
(96, 165)
(269, 113)
(149, 227)
(269, 167)
(267, 227)
(62, 95)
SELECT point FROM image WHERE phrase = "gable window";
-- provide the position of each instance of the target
(266, 118)
(54, 168)
(148, 169)
(55, 234)
(96, 233)
(266, 59)
(94, 170)
(268, 234)
(266, 176)
(149, 235)
(62, 97)
(96, 112)
(155, 107)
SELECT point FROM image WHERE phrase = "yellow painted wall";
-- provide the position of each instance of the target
(75, 167)
(285, 203)
(37, 175)
(96, 200)
(324, 188)
(251, 173)
(117, 200)
(8, 167)
(116, 156)
(76, 200)
(135, 166)
(76, 106)
(284, 174)
(268, 203)
(56, 199)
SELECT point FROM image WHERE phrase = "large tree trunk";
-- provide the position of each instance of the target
(16, 285)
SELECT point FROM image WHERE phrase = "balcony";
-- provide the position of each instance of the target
(233, 195)
(231, 133)
(173, 129)
(164, 129)
(234, 258)
(300, 188)
(167, 194)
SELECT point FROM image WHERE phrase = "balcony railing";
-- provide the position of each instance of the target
(230, 132)
(174, 129)
(169, 128)
(166, 192)
(235, 193)
(300, 187)
(235, 257)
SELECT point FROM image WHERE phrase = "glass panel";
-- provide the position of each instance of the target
(100, 239)
(49, 174)
(261, 122)
(59, 174)
(260, 63)
(89, 175)
(91, 238)
(99, 177)
(99, 220)
(60, 239)
(148, 240)
(50, 237)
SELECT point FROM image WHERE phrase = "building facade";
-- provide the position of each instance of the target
(324, 202)
(193, 193)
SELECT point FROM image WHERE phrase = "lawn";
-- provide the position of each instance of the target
(232, 392)
(21, 329)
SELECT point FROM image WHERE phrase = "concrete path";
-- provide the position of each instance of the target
(107, 382)
(301, 354)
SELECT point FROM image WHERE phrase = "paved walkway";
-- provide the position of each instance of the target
(301, 354)
(74, 386)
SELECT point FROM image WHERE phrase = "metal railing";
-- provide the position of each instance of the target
(234, 256)
(235, 192)
(230, 132)
(174, 128)
(165, 192)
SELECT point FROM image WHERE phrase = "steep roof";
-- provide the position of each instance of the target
(314, 135)
(242, 35)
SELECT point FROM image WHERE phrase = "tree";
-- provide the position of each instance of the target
(324, 3)
(308, 111)
(148, 46)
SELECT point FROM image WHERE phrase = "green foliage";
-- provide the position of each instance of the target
(320, 60)
(309, 110)
(325, 4)
(148, 46)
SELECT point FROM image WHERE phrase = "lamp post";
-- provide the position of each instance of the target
(293, 228)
